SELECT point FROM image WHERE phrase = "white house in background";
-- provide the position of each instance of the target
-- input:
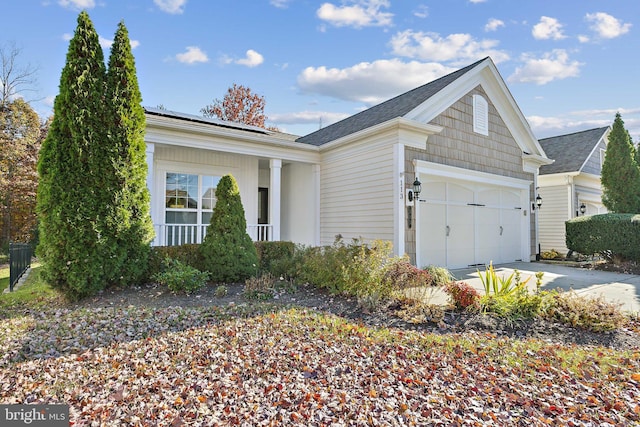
(461, 136)
(571, 185)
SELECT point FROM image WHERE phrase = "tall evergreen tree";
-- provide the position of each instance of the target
(128, 220)
(227, 251)
(620, 175)
(70, 233)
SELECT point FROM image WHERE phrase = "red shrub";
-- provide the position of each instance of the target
(464, 295)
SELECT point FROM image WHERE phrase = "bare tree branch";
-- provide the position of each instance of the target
(14, 79)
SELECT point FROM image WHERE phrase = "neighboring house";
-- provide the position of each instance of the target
(462, 136)
(571, 182)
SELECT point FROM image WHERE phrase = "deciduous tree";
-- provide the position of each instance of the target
(15, 78)
(239, 105)
(620, 176)
(20, 139)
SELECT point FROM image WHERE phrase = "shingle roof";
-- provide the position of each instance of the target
(207, 120)
(391, 109)
(570, 151)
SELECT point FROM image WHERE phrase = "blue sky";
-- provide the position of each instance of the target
(570, 64)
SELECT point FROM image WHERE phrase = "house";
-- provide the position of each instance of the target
(462, 137)
(571, 185)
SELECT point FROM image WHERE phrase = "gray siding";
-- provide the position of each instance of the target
(592, 165)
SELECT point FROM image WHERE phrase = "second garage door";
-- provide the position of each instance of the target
(464, 224)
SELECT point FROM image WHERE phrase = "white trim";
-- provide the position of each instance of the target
(602, 138)
(398, 196)
(275, 187)
(393, 124)
(317, 171)
(454, 172)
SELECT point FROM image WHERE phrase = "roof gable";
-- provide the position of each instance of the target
(424, 103)
(391, 109)
(571, 151)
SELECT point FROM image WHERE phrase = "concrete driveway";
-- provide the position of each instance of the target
(620, 288)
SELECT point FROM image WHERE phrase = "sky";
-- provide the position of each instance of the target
(569, 64)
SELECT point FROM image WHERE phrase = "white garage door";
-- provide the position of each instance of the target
(465, 224)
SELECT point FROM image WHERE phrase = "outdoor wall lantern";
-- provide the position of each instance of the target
(537, 204)
(583, 208)
(412, 195)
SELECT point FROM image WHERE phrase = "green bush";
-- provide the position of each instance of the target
(606, 234)
(186, 254)
(278, 258)
(228, 253)
(322, 265)
(180, 277)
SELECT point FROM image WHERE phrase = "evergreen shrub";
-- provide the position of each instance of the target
(611, 235)
(228, 252)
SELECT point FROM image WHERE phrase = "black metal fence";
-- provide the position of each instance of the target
(19, 261)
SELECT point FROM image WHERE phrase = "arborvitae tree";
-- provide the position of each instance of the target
(127, 220)
(620, 176)
(71, 239)
(227, 251)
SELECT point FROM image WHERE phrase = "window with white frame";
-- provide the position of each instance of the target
(480, 115)
(189, 198)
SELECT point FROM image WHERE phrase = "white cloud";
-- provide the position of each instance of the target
(477, 1)
(78, 4)
(575, 121)
(369, 82)
(361, 13)
(455, 48)
(253, 59)
(493, 24)
(323, 118)
(193, 55)
(174, 7)
(106, 43)
(583, 39)
(548, 28)
(280, 4)
(606, 26)
(552, 66)
(422, 11)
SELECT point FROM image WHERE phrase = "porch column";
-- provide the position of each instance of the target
(150, 150)
(275, 166)
(316, 192)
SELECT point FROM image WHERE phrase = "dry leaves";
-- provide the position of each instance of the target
(207, 366)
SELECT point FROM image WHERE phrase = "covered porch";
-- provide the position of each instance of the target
(278, 179)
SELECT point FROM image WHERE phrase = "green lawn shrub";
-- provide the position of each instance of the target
(610, 235)
(439, 275)
(322, 265)
(278, 258)
(591, 313)
(180, 277)
(187, 254)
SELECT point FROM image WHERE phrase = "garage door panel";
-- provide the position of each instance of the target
(461, 238)
(488, 235)
(433, 237)
(511, 236)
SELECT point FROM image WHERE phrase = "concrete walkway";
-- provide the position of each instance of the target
(620, 288)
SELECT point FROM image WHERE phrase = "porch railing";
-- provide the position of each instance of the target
(181, 234)
(19, 262)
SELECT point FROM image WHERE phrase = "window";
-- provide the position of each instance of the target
(480, 115)
(189, 199)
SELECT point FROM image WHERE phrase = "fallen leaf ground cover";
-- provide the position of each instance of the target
(266, 364)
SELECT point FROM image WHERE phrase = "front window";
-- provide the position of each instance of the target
(189, 200)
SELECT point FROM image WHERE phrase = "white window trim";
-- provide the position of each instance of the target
(480, 115)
